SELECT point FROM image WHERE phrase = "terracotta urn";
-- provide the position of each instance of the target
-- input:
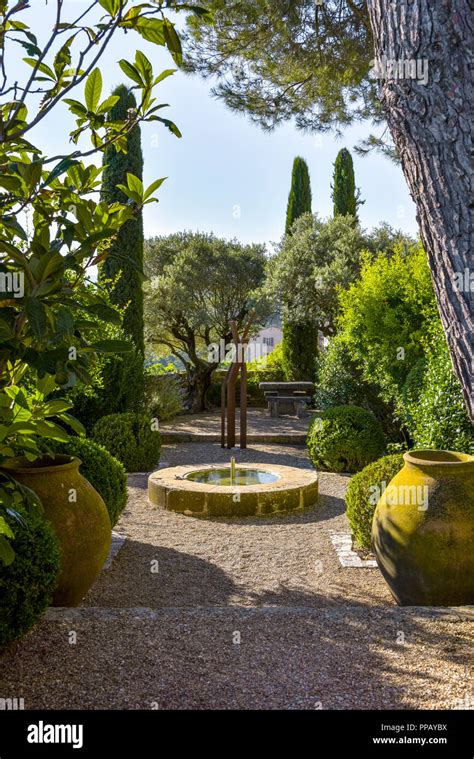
(78, 516)
(423, 530)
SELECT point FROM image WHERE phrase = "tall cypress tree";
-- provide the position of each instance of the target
(345, 195)
(300, 339)
(123, 374)
(127, 289)
(299, 200)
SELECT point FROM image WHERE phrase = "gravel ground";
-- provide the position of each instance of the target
(312, 634)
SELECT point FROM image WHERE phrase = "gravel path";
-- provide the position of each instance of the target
(161, 628)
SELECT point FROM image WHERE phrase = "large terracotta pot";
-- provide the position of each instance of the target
(77, 514)
(423, 530)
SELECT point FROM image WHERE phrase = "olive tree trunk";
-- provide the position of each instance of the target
(431, 125)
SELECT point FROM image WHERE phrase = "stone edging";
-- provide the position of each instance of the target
(295, 490)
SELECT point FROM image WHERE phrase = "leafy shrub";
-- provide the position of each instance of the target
(130, 438)
(163, 396)
(385, 316)
(345, 439)
(28, 583)
(363, 494)
(340, 383)
(433, 404)
(118, 387)
(104, 472)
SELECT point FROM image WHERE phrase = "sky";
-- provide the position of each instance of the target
(225, 175)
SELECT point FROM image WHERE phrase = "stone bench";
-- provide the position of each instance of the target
(287, 397)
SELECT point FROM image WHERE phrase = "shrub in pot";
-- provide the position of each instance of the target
(28, 583)
(363, 494)
(345, 439)
(131, 438)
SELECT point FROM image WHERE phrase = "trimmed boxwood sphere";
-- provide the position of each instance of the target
(27, 585)
(345, 439)
(363, 494)
(105, 473)
(130, 438)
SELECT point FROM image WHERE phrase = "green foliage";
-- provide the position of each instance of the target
(278, 60)
(345, 196)
(364, 492)
(104, 472)
(47, 310)
(198, 284)
(312, 263)
(130, 439)
(345, 439)
(299, 200)
(300, 348)
(27, 585)
(163, 396)
(124, 263)
(385, 316)
(340, 383)
(432, 402)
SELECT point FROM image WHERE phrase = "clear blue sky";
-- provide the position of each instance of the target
(226, 175)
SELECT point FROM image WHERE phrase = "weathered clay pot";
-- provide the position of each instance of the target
(423, 530)
(77, 514)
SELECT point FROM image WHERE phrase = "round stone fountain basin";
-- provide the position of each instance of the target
(257, 490)
(242, 477)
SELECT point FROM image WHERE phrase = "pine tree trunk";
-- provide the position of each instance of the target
(431, 126)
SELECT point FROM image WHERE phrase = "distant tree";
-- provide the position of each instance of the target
(124, 264)
(345, 195)
(299, 200)
(312, 263)
(300, 337)
(197, 285)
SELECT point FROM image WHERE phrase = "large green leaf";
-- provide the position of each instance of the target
(7, 554)
(36, 314)
(93, 89)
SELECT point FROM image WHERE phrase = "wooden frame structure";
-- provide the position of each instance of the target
(228, 390)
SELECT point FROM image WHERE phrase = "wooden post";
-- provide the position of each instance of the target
(228, 390)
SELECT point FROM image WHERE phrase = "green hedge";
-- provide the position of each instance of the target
(340, 383)
(105, 473)
(27, 585)
(433, 404)
(363, 494)
(130, 438)
(345, 439)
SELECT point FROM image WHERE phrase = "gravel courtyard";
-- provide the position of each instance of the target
(241, 613)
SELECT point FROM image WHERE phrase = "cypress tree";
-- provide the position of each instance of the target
(127, 289)
(300, 340)
(123, 374)
(344, 193)
(299, 200)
